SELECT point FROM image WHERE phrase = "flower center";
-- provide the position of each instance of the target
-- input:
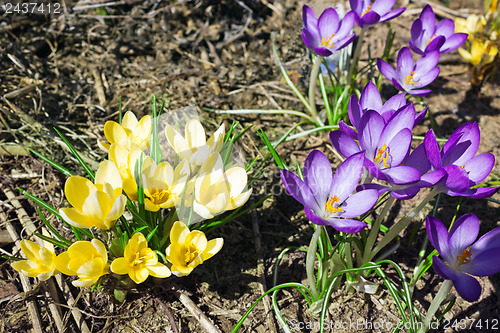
(464, 258)
(382, 155)
(327, 42)
(138, 261)
(367, 10)
(159, 196)
(329, 205)
(409, 78)
(430, 39)
(191, 253)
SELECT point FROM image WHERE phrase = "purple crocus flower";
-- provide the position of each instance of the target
(458, 159)
(370, 100)
(464, 257)
(426, 36)
(326, 34)
(409, 76)
(327, 199)
(368, 14)
(386, 145)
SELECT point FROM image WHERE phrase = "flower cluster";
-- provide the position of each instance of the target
(164, 201)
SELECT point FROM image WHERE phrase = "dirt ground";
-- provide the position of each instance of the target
(70, 71)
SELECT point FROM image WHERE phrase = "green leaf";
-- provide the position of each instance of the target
(77, 156)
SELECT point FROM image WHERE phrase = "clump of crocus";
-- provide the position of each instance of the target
(130, 131)
(480, 52)
(329, 199)
(189, 249)
(87, 260)
(457, 157)
(95, 205)
(139, 261)
(426, 36)
(40, 262)
(326, 34)
(465, 257)
(410, 76)
(194, 147)
(368, 13)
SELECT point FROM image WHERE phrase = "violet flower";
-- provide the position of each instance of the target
(370, 100)
(409, 76)
(368, 14)
(426, 36)
(326, 34)
(327, 199)
(386, 145)
(464, 257)
(457, 158)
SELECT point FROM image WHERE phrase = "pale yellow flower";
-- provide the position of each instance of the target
(189, 249)
(87, 260)
(216, 190)
(95, 205)
(480, 53)
(40, 262)
(130, 131)
(163, 186)
(139, 261)
(194, 148)
(127, 160)
(473, 25)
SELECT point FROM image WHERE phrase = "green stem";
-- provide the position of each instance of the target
(310, 260)
(372, 237)
(401, 225)
(357, 52)
(312, 88)
(436, 302)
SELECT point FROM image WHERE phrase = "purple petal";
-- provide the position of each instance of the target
(402, 119)
(479, 167)
(426, 79)
(456, 179)
(370, 98)
(432, 149)
(490, 240)
(445, 28)
(438, 236)
(432, 178)
(348, 130)
(462, 144)
(392, 14)
(394, 103)
(419, 92)
(310, 39)
(453, 42)
(418, 160)
(370, 18)
(298, 189)
(344, 42)
(476, 193)
(314, 218)
(382, 6)
(346, 24)
(405, 63)
(355, 112)
(406, 193)
(428, 19)
(416, 30)
(328, 23)
(401, 175)
(399, 147)
(443, 270)
(356, 6)
(415, 47)
(347, 176)
(321, 51)
(359, 203)
(462, 234)
(425, 64)
(419, 117)
(343, 143)
(485, 263)
(347, 225)
(435, 44)
(371, 126)
(318, 174)
(386, 69)
(467, 287)
(374, 170)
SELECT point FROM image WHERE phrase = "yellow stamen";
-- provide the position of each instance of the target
(138, 260)
(430, 39)
(367, 10)
(464, 258)
(462, 166)
(382, 155)
(409, 78)
(160, 196)
(191, 254)
(327, 42)
(329, 205)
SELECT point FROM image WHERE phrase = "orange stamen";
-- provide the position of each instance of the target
(329, 205)
(382, 155)
(367, 10)
(326, 42)
(409, 78)
(464, 258)
(430, 39)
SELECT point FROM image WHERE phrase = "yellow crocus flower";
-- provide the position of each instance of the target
(189, 249)
(473, 25)
(127, 160)
(130, 131)
(163, 186)
(194, 148)
(139, 261)
(87, 260)
(40, 262)
(95, 205)
(216, 190)
(480, 53)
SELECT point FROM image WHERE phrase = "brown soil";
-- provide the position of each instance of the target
(69, 71)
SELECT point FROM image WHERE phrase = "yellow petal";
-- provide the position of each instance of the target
(100, 248)
(195, 134)
(114, 132)
(44, 276)
(92, 269)
(116, 211)
(82, 283)
(135, 244)
(178, 233)
(103, 146)
(239, 200)
(62, 264)
(139, 275)
(129, 121)
(213, 247)
(47, 257)
(180, 271)
(216, 141)
(158, 270)
(97, 207)
(198, 239)
(120, 266)
(108, 173)
(75, 218)
(30, 249)
(237, 179)
(142, 131)
(177, 142)
(201, 210)
(77, 189)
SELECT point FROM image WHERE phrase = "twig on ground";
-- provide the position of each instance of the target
(196, 312)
